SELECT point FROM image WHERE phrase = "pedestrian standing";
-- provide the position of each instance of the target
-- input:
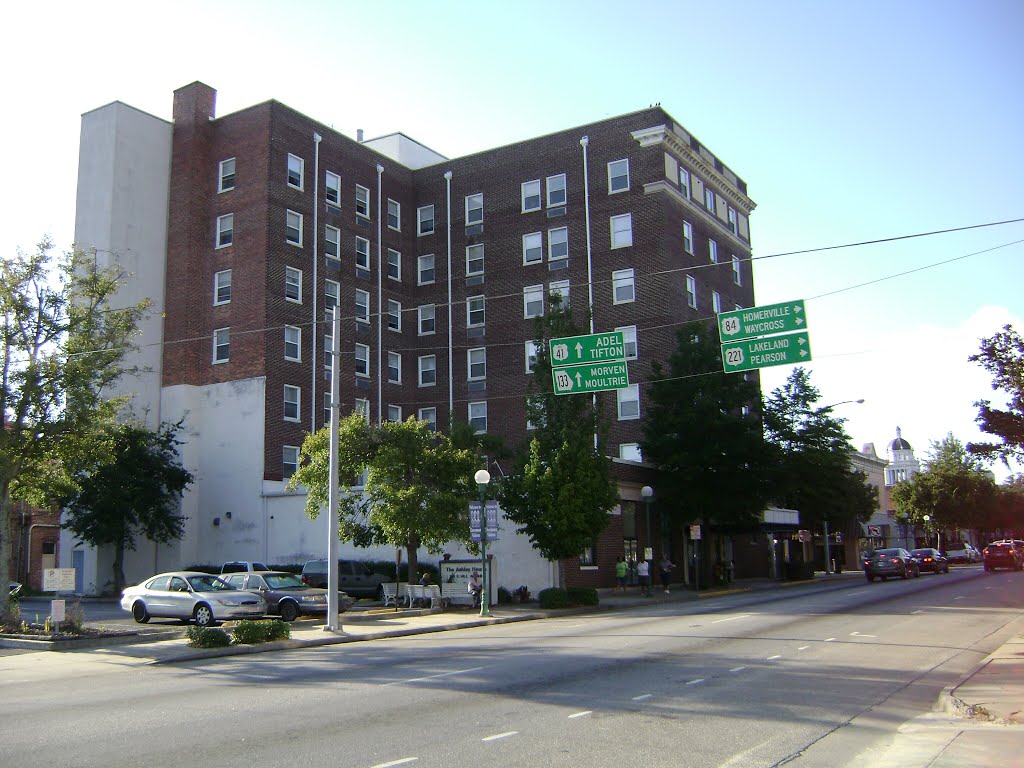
(475, 588)
(665, 571)
(621, 569)
(643, 575)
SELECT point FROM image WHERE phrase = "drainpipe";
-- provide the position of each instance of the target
(448, 221)
(380, 299)
(316, 236)
(590, 262)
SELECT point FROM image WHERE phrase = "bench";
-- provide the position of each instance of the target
(428, 593)
(390, 592)
(456, 594)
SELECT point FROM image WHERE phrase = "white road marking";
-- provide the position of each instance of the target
(644, 696)
(803, 647)
(694, 682)
(772, 658)
(737, 669)
(396, 762)
(581, 714)
(852, 594)
(829, 639)
(858, 634)
(741, 757)
(432, 677)
(731, 618)
(497, 736)
(959, 598)
(917, 611)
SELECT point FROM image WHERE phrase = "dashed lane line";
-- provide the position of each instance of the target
(581, 714)
(403, 761)
(497, 736)
(643, 696)
(432, 677)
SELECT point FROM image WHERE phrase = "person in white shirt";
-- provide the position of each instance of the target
(643, 575)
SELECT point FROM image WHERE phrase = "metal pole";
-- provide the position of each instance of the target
(485, 609)
(827, 552)
(331, 623)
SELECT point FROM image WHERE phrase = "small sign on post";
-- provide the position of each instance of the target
(59, 580)
(695, 532)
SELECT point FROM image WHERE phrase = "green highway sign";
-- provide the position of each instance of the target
(767, 352)
(596, 377)
(595, 348)
(762, 321)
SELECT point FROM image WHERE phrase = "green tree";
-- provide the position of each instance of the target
(134, 490)
(704, 435)
(1002, 355)
(812, 472)
(418, 485)
(561, 489)
(63, 347)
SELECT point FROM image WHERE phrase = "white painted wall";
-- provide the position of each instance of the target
(406, 151)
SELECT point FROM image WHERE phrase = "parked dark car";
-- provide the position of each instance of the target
(1002, 554)
(930, 560)
(893, 561)
(286, 595)
(356, 578)
(242, 566)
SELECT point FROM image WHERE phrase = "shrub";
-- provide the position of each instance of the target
(10, 614)
(582, 596)
(248, 632)
(553, 597)
(74, 618)
(207, 637)
(504, 596)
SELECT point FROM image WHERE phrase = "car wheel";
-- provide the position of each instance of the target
(139, 612)
(870, 578)
(203, 616)
(289, 610)
(905, 575)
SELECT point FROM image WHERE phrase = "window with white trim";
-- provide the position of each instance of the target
(362, 253)
(395, 413)
(558, 244)
(732, 219)
(531, 350)
(327, 407)
(332, 242)
(293, 343)
(688, 237)
(332, 188)
(709, 199)
(425, 316)
(474, 209)
(476, 363)
(474, 259)
(629, 340)
(736, 275)
(427, 367)
(684, 182)
(425, 269)
(361, 406)
(289, 461)
(478, 416)
(618, 176)
(394, 215)
(691, 291)
(293, 228)
(394, 315)
(328, 354)
(533, 301)
(475, 314)
(332, 295)
(429, 415)
(295, 166)
(394, 265)
(362, 361)
(226, 175)
(221, 345)
(394, 368)
(530, 195)
(622, 230)
(362, 305)
(559, 289)
(222, 287)
(425, 220)
(533, 248)
(630, 452)
(556, 190)
(292, 396)
(293, 284)
(712, 251)
(225, 230)
(716, 302)
(628, 400)
(623, 287)
(362, 201)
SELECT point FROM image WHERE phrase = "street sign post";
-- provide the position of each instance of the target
(594, 348)
(767, 352)
(590, 378)
(762, 321)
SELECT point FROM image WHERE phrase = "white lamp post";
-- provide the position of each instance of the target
(482, 478)
(647, 493)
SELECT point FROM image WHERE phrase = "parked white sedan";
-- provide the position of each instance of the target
(962, 552)
(191, 596)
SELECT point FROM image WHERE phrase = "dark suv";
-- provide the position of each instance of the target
(357, 579)
(1002, 554)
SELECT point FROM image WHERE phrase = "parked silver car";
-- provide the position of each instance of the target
(191, 596)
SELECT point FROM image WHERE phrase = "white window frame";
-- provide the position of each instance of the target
(691, 292)
(394, 413)
(709, 198)
(332, 240)
(559, 288)
(289, 215)
(395, 315)
(429, 415)
(362, 306)
(426, 313)
(614, 173)
(684, 182)
(621, 228)
(327, 407)
(533, 242)
(394, 265)
(688, 237)
(530, 190)
(477, 406)
(332, 183)
(395, 364)
(480, 353)
(224, 174)
(295, 401)
(221, 283)
(716, 302)
(731, 215)
(289, 461)
(362, 253)
(362, 201)
(221, 341)
(421, 269)
(530, 352)
(622, 279)
(425, 214)
(562, 234)
(225, 230)
(477, 248)
(737, 276)
(293, 338)
(626, 397)
(629, 341)
(298, 165)
(553, 185)
(630, 452)
(394, 215)
(533, 294)
(332, 295)
(474, 217)
(712, 251)
(361, 405)
(293, 285)
(328, 354)
(423, 367)
(476, 305)
(361, 360)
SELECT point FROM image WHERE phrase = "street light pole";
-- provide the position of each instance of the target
(927, 536)
(483, 477)
(646, 493)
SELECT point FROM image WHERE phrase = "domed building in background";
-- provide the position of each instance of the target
(902, 464)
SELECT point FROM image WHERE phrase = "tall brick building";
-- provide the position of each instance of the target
(245, 229)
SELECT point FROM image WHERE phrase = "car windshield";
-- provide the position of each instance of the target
(888, 552)
(209, 584)
(923, 552)
(284, 581)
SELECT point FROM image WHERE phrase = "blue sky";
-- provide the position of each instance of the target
(849, 122)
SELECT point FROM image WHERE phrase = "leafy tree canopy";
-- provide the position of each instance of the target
(1002, 355)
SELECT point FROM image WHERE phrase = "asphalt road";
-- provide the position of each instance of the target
(823, 679)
